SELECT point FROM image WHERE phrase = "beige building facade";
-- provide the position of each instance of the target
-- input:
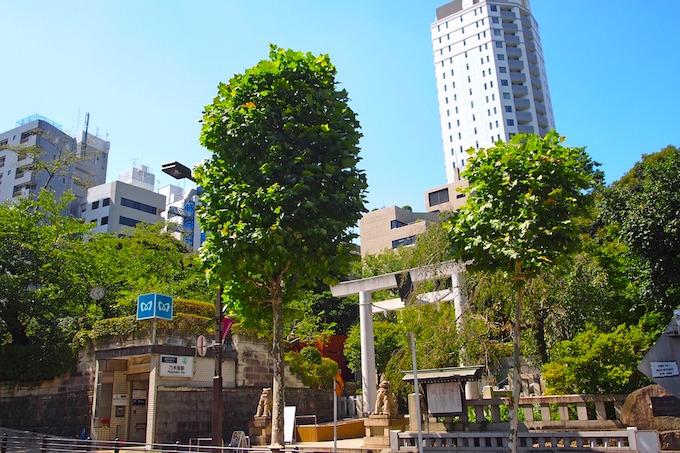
(391, 227)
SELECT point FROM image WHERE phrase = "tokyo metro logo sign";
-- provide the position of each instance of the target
(154, 305)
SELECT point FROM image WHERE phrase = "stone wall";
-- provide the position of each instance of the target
(254, 366)
(186, 413)
(60, 407)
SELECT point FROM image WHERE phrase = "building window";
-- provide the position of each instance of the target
(501, 57)
(493, 96)
(459, 136)
(469, 79)
(452, 72)
(497, 32)
(462, 28)
(405, 241)
(470, 91)
(138, 206)
(446, 100)
(105, 220)
(499, 44)
(449, 125)
(493, 8)
(467, 66)
(490, 125)
(3, 144)
(488, 112)
(494, 20)
(95, 204)
(106, 201)
(511, 122)
(2, 161)
(487, 58)
(506, 95)
(128, 221)
(445, 87)
(455, 97)
(457, 122)
(443, 75)
(474, 118)
(397, 224)
(502, 70)
(439, 197)
(504, 83)
(472, 104)
(491, 84)
(456, 109)
(494, 110)
(508, 108)
(19, 173)
(475, 131)
(453, 84)
(497, 126)
(448, 113)
(485, 86)
(450, 138)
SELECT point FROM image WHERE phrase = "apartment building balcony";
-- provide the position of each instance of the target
(531, 56)
(542, 131)
(83, 167)
(508, 15)
(519, 91)
(524, 129)
(538, 95)
(522, 104)
(540, 108)
(536, 82)
(533, 69)
(510, 28)
(523, 117)
(528, 33)
(542, 121)
(513, 52)
(516, 65)
(517, 78)
(529, 44)
(526, 21)
(511, 40)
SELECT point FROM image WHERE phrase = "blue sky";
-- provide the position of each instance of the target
(145, 70)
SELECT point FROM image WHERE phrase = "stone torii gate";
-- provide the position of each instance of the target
(403, 281)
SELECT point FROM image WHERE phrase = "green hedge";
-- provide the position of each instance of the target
(316, 375)
(125, 325)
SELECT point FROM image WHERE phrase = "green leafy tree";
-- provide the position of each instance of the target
(43, 280)
(596, 362)
(523, 198)
(643, 206)
(388, 338)
(281, 189)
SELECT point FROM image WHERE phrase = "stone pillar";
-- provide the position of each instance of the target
(368, 380)
(152, 398)
(459, 300)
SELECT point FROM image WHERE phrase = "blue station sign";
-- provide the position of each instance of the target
(154, 305)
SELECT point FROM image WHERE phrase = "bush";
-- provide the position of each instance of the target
(596, 362)
(36, 362)
(315, 375)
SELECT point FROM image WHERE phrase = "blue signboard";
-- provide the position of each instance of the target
(154, 306)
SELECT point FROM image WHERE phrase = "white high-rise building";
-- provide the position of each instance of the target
(491, 79)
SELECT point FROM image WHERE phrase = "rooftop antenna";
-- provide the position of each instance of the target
(83, 145)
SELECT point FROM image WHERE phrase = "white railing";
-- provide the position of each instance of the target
(624, 440)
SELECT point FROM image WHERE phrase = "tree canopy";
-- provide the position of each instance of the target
(281, 189)
(520, 217)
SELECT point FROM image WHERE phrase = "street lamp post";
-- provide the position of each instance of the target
(179, 171)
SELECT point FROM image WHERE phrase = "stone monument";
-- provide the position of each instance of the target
(260, 428)
(384, 418)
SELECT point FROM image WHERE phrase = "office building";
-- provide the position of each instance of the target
(180, 214)
(491, 78)
(391, 227)
(86, 165)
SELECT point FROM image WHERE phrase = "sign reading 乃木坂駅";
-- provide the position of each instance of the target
(176, 366)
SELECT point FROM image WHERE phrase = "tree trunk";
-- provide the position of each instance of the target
(278, 386)
(539, 335)
(513, 409)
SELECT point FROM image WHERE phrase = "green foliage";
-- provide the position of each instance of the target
(36, 362)
(596, 362)
(389, 339)
(115, 327)
(311, 355)
(644, 206)
(282, 187)
(194, 307)
(523, 198)
(317, 373)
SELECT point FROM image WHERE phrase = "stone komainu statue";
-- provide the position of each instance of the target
(264, 406)
(385, 402)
